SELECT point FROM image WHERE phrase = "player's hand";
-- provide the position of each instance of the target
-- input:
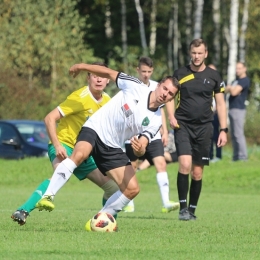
(137, 146)
(74, 70)
(165, 139)
(61, 152)
(222, 139)
(173, 123)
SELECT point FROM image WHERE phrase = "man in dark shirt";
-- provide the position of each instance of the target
(237, 111)
(193, 124)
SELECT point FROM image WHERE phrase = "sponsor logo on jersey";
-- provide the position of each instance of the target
(205, 158)
(90, 111)
(126, 109)
(146, 121)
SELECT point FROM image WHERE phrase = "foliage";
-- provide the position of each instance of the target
(253, 122)
(46, 38)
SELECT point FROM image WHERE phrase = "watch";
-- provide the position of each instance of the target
(223, 129)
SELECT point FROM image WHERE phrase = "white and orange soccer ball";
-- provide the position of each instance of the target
(103, 222)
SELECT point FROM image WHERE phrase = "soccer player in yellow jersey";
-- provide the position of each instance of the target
(71, 114)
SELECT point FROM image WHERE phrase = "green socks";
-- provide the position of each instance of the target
(29, 205)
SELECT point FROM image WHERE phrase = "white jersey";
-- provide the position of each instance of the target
(126, 114)
(152, 86)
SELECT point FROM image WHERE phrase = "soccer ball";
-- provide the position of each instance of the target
(103, 222)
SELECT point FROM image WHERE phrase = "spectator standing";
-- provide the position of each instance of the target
(238, 91)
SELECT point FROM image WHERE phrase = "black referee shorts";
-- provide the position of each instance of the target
(106, 158)
(194, 140)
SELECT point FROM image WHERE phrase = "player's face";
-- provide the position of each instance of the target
(96, 83)
(144, 73)
(165, 92)
(240, 69)
(198, 55)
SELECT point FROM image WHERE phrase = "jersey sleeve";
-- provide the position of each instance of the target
(220, 84)
(126, 82)
(150, 133)
(72, 104)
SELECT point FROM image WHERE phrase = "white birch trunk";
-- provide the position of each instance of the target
(169, 49)
(242, 42)
(176, 35)
(141, 26)
(232, 60)
(216, 39)
(198, 19)
(108, 27)
(124, 35)
(152, 43)
(188, 26)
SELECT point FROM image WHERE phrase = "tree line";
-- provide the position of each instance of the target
(41, 39)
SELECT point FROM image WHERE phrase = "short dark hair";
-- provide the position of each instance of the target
(175, 81)
(145, 61)
(100, 63)
(197, 43)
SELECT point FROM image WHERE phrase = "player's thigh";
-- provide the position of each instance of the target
(125, 178)
(97, 177)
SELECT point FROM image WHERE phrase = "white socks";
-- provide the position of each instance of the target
(115, 203)
(60, 176)
(163, 183)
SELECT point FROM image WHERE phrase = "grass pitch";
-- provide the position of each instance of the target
(227, 226)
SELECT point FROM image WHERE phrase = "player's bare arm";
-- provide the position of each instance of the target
(233, 90)
(139, 145)
(170, 108)
(94, 69)
(222, 115)
(50, 122)
(164, 128)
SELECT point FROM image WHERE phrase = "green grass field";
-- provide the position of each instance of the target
(227, 226)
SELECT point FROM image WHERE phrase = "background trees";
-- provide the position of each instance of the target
(41, 39)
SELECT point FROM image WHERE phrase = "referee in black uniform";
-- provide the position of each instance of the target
(192, 122)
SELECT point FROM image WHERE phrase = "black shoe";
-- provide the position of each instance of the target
(192, 216)
(184, 214)
(20, 216)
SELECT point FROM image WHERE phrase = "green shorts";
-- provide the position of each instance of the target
(82, 170)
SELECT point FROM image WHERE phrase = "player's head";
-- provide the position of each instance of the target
(167, 89)
(198, 52)
(145, 69)
(241, 70)
(96, 83)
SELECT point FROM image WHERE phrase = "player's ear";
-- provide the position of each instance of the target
(107, 81)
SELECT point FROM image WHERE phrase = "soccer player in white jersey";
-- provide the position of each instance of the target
(133, 111)
(155, 151)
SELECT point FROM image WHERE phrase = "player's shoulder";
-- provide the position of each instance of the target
(126, 77)
(211, 72)
(81, 92)
(105, 95)
(183, 71)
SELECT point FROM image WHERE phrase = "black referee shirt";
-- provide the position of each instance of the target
(194, 100)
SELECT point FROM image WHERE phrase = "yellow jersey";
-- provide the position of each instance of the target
(76, 110)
